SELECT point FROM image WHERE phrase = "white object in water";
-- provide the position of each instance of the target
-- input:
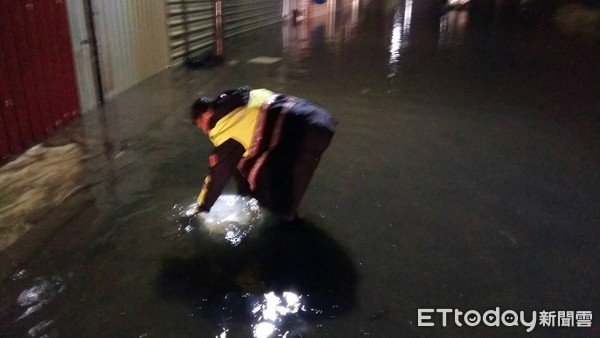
(231, 217)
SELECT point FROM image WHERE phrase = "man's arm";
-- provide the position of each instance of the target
(223, 163)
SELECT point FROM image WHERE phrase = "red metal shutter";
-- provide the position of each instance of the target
(9, 118)
(37, 86)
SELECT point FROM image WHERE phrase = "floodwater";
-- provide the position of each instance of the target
(464, 175)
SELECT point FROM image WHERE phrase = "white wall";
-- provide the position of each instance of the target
(132, 40)
(82, 55)
(132, 43)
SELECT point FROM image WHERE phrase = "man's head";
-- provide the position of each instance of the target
(201, 113)
(206, 112)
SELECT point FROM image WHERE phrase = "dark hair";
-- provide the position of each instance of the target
(222, 105)
(199, 107)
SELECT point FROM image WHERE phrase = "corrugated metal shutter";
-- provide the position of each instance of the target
(241, 16)
(132, 42)
(190, 27)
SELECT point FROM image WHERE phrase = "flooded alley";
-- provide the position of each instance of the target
(464, 175)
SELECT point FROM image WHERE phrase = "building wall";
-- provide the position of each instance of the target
(81, 42)
(132, 41)
(48, 53)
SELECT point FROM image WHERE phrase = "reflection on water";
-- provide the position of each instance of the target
(270, 285)
(34, 298)
(334, 24)
(40, 328)
(270, 313)
(452, 28)
(30, 310)
(400, 33)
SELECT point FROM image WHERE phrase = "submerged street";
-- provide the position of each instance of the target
(463, 175)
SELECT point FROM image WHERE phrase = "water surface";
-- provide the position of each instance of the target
(463, 175)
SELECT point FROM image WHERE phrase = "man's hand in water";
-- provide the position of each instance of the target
(194, 211)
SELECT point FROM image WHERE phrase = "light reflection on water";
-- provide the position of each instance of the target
(34, 298)
(400, 33)
(275, 314)
(275, 283)
(452, 29)
(270, 312)
(41, 327)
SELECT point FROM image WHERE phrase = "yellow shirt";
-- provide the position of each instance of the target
(240, 124)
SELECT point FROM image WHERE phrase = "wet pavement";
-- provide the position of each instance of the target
(464, 175)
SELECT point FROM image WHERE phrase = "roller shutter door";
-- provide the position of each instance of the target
(190, 27)
(191, 22)
(241, 16)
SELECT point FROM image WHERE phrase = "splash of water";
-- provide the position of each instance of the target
(231, 218)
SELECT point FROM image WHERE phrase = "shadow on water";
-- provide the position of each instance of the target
(276, 283)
